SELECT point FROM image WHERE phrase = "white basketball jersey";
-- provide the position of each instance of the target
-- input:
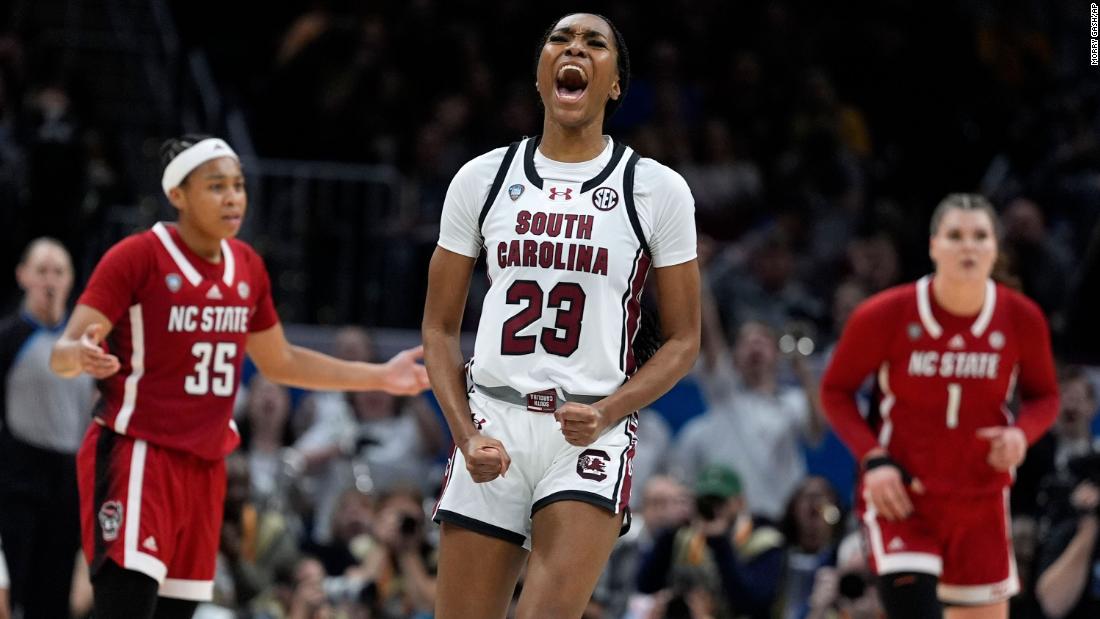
(567, 257)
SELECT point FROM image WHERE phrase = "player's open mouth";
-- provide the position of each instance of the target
(570, 83)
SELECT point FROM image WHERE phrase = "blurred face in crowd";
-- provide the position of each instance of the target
(1078, 407)
(46, 277)
(268, 407)
(665, 503)
(577, 70)
(212, 199)
(815, 513)
(964, 246)
(353, 517)
(755, 354)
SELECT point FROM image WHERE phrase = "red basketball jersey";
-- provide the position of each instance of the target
(942, 377)
(180, 328)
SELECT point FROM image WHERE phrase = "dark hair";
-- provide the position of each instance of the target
(622, 60)
(963, 202)
(172, 147)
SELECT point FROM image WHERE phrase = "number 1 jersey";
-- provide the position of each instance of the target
(941, 378)
(568, 247)
(181, 325)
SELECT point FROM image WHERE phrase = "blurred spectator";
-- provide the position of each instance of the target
(664, 503)
(265, 434)
(297, 593)
(44, 418)
(812, 527)
(848, 590)
(722, 562)
(352, 539)
(874, 261)
(406, 579)
(255, 541)
(370, 439)
(1042, 265)
(1068, 586)
(1044, 481)
(727, 189)
(768, 293)
(652, 455)
(753, 424)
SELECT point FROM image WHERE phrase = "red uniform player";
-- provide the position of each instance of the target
(948, 353)
(177, 307)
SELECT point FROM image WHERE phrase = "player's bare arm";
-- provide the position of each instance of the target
(80, 347)
(448, 284)
(678, 304)
(282, 362)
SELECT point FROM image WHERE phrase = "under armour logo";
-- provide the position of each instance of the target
(555, 192)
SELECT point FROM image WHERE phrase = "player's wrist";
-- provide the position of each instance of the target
(882, 460)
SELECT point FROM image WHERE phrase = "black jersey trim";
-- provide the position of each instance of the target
(104, 460)
(631, 210)
(575, 495)
(616, 155)
(533, 176)
(529, 161)
(477, 526)
(498, 180)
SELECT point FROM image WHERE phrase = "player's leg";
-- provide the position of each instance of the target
(476, 574)
(909, 595)
(169, 608)
(979, 574)
(571, 541)
(998, 610)
(122, 594)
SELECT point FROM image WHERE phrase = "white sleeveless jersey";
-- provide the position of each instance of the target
(568, 247)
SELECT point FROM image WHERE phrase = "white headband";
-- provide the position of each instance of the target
(191, 158)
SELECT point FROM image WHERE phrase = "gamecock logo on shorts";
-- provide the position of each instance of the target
(110, 520)
(592, 464)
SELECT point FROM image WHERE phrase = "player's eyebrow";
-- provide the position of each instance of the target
(589, 32)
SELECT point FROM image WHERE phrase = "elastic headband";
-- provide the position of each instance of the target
(191, 158)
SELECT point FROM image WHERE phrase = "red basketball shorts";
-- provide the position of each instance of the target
(152, 510)
(963, 540)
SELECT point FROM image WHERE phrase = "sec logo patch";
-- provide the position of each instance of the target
(605, 198)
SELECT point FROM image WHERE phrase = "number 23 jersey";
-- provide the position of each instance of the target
(568, 247)
(942, 377)
(181, 325)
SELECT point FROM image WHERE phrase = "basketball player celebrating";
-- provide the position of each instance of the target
(570, 222)
(948, 350)
(177, 307)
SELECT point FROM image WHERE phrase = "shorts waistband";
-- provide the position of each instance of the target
(539, 402)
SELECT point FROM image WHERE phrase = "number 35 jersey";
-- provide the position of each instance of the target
(180, 328)
(568, 247)
(942, 378)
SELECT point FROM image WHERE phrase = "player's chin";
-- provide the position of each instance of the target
(230, 226)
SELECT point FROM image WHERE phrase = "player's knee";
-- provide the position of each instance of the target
(909, 595)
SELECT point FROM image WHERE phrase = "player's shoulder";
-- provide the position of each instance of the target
(890, 300)
(1022, 308)
(137, 246)
(651, 177)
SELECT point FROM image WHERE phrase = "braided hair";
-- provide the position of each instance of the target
(172, 147)
(622, 61)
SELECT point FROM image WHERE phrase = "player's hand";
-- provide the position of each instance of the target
(1085, 498)
(581, 424)
(1007, 446)
(98, 363)
(486, 458)
(884, 489)
(404, 375)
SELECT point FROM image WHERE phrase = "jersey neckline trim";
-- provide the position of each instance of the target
(928, 319)
(618, 148)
